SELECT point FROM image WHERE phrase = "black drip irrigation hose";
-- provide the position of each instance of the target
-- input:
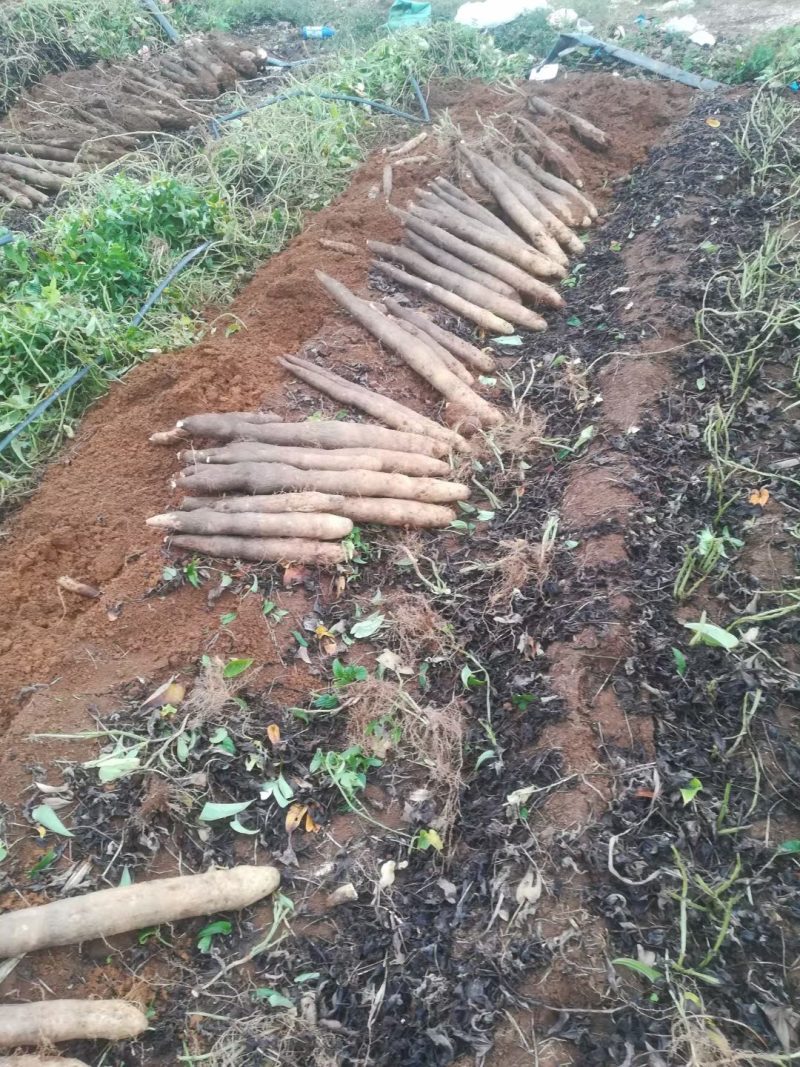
(79, 375)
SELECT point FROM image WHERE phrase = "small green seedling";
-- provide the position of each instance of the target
(690, 791)
(426, 839)
(346, 770)
(346, 674)
(205, 939)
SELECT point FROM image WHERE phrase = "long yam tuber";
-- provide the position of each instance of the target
(377, 459)
(463, 287)
(554, 226)
(466, 352)
(123, 908)
(485, 319)
(382, 407)
(266, 477)
(521, 280)
(40, 1061)
(584, 130)
(441, 353)
(320, 459)
(436, 254)
(550, 153)
(276, 504)
(315, 527)
(556, 184)
(417, 355)
(49, 1021)
(382, 510)
(515, 250)
(320, 435)
(263, 549)
(501, 190)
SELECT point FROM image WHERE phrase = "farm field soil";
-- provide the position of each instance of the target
(496, 951)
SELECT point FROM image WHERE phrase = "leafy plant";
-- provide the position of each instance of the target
(347, 673)
(346, 770)
(205, 939)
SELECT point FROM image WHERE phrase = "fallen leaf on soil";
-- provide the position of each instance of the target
(530, 888)
(310, 826)
(274, 733)
(294, 816)
(387, 874)
(759, 497)
(713, 123)
(390, 661)
(293, 575)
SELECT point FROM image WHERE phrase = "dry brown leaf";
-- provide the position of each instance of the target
(294, 816)
(274, 733)
(311, 827)
(759, 497)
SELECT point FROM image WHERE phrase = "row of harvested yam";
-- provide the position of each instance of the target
(278, 491)
(466, 258)
(129, 100)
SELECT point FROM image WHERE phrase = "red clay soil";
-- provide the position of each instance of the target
(59, 654)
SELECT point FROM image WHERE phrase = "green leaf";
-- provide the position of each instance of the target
(272, 997)
(208, 933)
(513, 341)
(690, 791)
(212, 812)
(680, 662)
(233, 668)
(300, 639)
(168, 574)
(615, 246)
(43, 862)
(573, 320)
(469, 679)
(126, 878)
(46, 817)
(225, 580)
(268, 606)
(306, 976)
(429, 839)
(484, 756)
(640, 968)
(227, 618)
(3, 851)
(279, 789)
(237, 826)
(791, 848)
(367, 627)
(706, 633)
(709, 247)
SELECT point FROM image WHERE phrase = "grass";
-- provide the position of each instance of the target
(68, 292)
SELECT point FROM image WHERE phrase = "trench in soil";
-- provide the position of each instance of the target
(570, 696)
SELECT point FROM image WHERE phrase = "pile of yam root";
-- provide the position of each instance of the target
(270, 490)
(128, 101)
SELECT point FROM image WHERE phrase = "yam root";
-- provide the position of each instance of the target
(382, 510)
(461, 201)
(346, 247)
(467, 353)
(65, 155)
(381, 407)
(436, 254)
(260, 478)
(549, 153)
(314, 526)
(193, 426)
(320, 459)
(276, 504)
(514, 249)
(584, 130)
(387, 182)
(551, 222)
(317, 434)
(378, 459)
(443, 354)
(473, 291)
(408, 146)
(501, 189)
(485, 319)
(32, 176)
(72, 585)
(519, 279)
(418, 356)
(40, 1061)
(15, 197)
(263, 549)
(115, 911)
(50, 1021)
(556, 184)
(569, 212)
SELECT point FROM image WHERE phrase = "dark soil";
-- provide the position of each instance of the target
(570, 691)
